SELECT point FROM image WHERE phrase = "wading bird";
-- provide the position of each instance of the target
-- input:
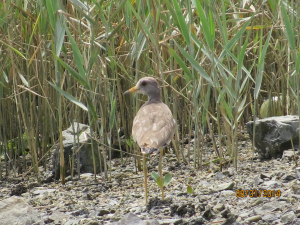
(153, 126)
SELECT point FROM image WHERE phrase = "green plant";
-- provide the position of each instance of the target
(189, 188)
(162, 181)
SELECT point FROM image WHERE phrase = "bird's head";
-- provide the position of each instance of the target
(147, 86)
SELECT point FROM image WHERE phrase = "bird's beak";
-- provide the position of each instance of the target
(131, 90)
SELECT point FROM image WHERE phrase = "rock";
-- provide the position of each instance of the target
(225, 186)
(218, 208)
(288, 156)
(288, 177)
(228, 193)
(58, 217)
(219, 221)
(43, 191)
(131, 219)
(297, 210)
(77, 133)
(219, 176)
(208, 213)
(170, 221)
(253, 218)
(196, 221)
(258, 181)
(273, 135)
(296, 188)
(270, 217)
(257, 202)
(272, 184)
(103, 212)
(265, 175)
(269, 207)
(15, 210)
(288, 217)
(19, 189)
(182, 209)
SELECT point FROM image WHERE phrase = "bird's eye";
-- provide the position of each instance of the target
(144, 83)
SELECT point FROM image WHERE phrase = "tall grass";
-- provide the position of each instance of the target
(71, 61)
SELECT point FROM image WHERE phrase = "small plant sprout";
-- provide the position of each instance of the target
(161, 181)
(189, 189)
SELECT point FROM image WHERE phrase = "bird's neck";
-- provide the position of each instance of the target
(154, 98)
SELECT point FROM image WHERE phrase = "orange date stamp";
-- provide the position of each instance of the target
(253, 193)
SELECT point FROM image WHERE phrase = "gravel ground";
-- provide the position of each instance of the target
(219, 196)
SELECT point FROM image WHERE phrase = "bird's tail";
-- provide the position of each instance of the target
(149, 150)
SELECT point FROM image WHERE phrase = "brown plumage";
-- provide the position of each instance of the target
(153, 126)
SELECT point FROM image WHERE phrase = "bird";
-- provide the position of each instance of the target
(153, 126)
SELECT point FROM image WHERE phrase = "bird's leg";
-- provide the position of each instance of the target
(145, 177)
(160, 174)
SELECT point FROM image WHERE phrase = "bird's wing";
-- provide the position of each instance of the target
(153, 126)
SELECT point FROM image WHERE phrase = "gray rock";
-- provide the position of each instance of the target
(228, 193)
(218, 208)
(42, 191)
(288, 177)
(131, 219)
(258, 181)
(219, 176)
(257, 202)
(58, 217)
(271, 217)
(103, 212)
(253, 218)
(272, 184)
(288, 217)
(170, 221)
(269, 207)
(219, 221)
(273, 135)
(288, 155)
(76, 140)
(15, 210)
(225, 186)
(265, 175)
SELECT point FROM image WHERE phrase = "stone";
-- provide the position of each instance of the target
(288, 217)
(76, 133)
(170, 221)
(270, 217)
(218, 208)
(257, 202)
(219, 221)
(58, 217)
(219, 176)
(273, 135)
(269, 207)
(15, 210)
(225, 186)
(43, 191)
(288, 177)
(208, 213)
(19, 189)
(228, 193)
(103, 212)
(288, 155)
(271, 184)
(265, 175)
(131, 219)
(253, 218)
